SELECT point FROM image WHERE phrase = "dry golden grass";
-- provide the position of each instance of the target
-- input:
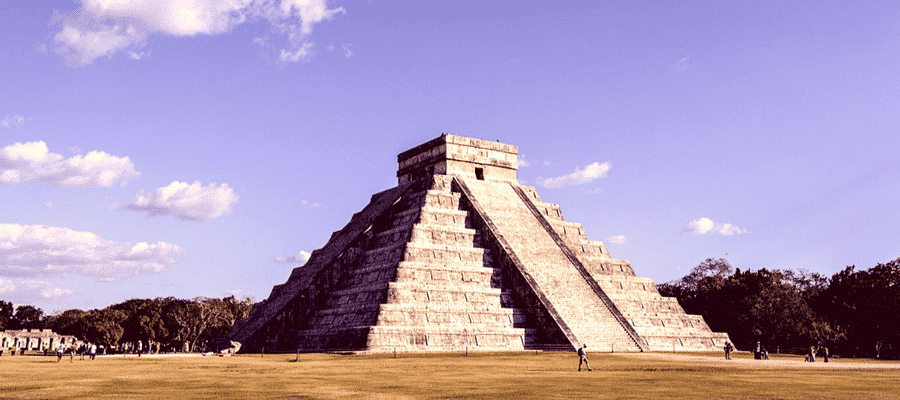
(493, 375)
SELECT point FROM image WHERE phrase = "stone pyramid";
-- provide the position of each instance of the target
(459, 256)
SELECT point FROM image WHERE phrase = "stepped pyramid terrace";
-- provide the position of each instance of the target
(459, 256)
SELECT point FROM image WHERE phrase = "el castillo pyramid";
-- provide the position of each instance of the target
(459, 256)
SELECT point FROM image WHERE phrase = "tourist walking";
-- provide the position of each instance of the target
(728, 349)
(93, 351)
(59, 352)
(582, 358)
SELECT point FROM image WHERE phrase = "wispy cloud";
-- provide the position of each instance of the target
(348, 49)
(33, 162)
(522, 160)
(38, 250)
(580, 176)
(12, 121)
(48, 204)
(618, 239)
(103, 28)
(6, 286)
(187, 202)
(704, 225)
(307, 204)
(42, 290)
(298, 258)
(33, 290)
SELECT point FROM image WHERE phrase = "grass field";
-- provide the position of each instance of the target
(441, 376)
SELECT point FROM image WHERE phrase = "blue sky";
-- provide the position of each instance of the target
(200, 148)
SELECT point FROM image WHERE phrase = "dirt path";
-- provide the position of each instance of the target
(772, 363)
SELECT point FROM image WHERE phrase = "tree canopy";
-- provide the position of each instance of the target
(855, 313)
(171, 323)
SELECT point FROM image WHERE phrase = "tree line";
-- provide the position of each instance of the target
(170, 323)
(855, 313)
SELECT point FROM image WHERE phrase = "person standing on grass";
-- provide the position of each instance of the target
(59, 352)
(582, 358)
(728, 349)
(93, 351)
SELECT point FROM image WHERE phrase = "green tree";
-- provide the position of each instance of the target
(766, 306)
(693, 289)
(144, 320)
(104, 327)
(29, 317)
(70, 322)
(7, 315)
(865, 306)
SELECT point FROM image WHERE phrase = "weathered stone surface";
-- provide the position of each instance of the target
(36, 339)
(459, 256)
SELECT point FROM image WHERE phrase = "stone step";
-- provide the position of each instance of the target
(448, 277)
(454, 307)
(438, 253)
(444, 339)
(557, 279)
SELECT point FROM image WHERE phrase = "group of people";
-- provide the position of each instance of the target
(760, 352)
(811, 356)
(85, 349)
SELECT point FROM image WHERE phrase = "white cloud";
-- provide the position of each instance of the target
(134, 55)
(619, 239)
(523, 161)
(348, 49)
(102, 28)
(48, 204)
(32, 289)
(580, 176)
(38, 250)
(704, 225)
(33, 162)
(301, 53)
(12, 121)
(187, 202)
(6, 286)
(307, 204)
(729, 229)
(300, 258)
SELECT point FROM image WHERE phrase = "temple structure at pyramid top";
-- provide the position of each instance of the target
(460, 256)
(459, 156)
